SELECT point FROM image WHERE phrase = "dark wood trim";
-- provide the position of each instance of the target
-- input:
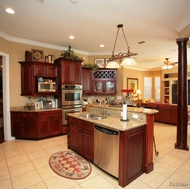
(181, 142)
(131, 155)
(149, 165)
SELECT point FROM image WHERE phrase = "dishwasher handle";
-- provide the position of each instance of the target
(107, 131)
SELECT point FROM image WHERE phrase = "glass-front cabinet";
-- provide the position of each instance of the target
(107, 87)
(104, 81)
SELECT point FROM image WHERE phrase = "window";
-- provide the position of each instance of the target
(157, 88)
(147, 87)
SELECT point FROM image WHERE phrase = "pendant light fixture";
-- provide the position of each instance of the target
(125, 58)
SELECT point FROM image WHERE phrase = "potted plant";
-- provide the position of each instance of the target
(69, 55)
(91, 66)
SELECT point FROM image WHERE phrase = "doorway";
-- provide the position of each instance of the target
(6, 97)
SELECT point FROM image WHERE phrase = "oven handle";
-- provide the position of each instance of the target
(71, 91)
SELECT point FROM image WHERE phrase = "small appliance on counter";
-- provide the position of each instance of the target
(48, 104)
(44, 103)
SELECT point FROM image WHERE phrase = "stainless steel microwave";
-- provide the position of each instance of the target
(47, 86)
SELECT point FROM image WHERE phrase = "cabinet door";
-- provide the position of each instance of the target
(98, 87)
(86, 81)
(88, 142)
(30, 126)
(71, 72)
(86, 139)
(39, 70)
(74, 137)
(27, 80)
(76, 73)
(43, 126)
(17, 124)
(65, 75)
(110, 87)
(51, 71)
(55, 124)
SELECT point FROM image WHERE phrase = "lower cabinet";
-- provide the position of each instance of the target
(81, 137)
(36, 125)
(132, 155)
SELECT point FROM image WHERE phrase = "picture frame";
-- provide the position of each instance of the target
(132, 83)
(37, 55)
(99, 62)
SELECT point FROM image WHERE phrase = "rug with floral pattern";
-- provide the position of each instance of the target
(70, 165)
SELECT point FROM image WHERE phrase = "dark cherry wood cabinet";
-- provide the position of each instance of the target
(30, 71)
(45, 70)
(70, 72)
(87, 80)
(100, 82)
(104, 81)
(81, 137)
(27, 79)
(36, 125)
(131, 155)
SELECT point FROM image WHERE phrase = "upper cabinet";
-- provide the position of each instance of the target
(87, 80)
(104, 81)
(48, 70)
(100, 82)
(31, 71)
(70, 72)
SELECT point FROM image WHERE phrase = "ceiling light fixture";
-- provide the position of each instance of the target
(71, 37)
(127, 60)
(9, 10)
(168, 65)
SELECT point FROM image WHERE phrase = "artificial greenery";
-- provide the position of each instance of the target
(92, 66)
(69, 55)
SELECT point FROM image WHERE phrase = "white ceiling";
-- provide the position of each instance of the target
(94, 22)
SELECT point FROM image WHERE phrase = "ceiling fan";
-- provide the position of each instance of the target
(168, 64)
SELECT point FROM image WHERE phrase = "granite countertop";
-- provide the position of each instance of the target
(111, 122)
(22, 109)
(130, 109)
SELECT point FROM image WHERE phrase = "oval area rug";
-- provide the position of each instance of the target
(70, 165)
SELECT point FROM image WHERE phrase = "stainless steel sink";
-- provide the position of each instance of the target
(92, 116)
(99, 117)
(88, 115)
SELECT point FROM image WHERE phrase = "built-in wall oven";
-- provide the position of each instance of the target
(71, 100)
(67, 111)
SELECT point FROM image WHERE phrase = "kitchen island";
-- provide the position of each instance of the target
(135, 147)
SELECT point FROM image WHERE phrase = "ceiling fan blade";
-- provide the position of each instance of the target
(174, 63)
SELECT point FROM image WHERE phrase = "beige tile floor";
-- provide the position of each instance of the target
(24, 165)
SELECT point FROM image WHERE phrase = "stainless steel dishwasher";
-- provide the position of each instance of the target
(106, 149)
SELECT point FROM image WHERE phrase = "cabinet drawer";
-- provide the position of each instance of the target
(73, 120)
(85, 125)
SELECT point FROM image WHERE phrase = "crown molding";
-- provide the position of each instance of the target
(39, 44)
(183, 24)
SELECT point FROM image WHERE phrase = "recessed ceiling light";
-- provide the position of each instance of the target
(102, 45)
(71, 37)
(10, 11)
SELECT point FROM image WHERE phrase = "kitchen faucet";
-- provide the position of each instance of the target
(102, 100)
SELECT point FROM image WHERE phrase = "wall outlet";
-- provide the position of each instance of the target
(135, 116)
